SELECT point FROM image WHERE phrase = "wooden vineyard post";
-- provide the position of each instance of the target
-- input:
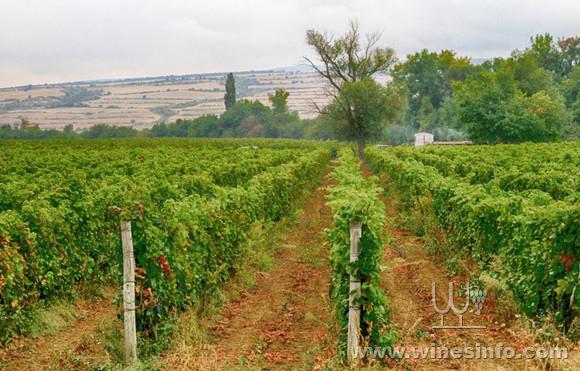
(354, 293)
(129, 294)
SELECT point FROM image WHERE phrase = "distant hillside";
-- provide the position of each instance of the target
(143, 101)
(306, 68)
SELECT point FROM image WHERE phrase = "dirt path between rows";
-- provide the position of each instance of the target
(409, 284)
(282, 322)
(408, 280)
(77, 345)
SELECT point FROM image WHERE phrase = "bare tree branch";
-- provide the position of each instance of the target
(346, 62)
(325, 74)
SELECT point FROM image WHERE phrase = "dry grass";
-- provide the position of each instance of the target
(192, 347)
(66, 336)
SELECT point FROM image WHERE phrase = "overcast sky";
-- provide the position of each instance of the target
(66, 40)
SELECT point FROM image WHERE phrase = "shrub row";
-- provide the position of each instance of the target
(186, 249)
(550, 168)
(61, 233)
(355, 198)
(529, 242)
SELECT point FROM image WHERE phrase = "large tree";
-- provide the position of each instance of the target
(279, 101)
(570, 54)
(348, 61)
(429, 77)
(495, 110)
(239, 120)
(558, 57)
(230, 96)
(361, 109)
(571, 93)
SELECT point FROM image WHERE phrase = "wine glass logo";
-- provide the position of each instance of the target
(473, 295)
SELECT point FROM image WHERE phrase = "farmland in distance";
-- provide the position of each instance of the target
(141, 102)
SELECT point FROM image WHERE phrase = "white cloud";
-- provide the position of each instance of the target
(64, 40)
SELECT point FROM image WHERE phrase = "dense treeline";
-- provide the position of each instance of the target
(531, 96)
(247, 119)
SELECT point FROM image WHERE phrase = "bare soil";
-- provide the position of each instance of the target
(282, 322)
(77, 345)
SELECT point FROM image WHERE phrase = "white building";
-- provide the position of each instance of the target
(422, 139)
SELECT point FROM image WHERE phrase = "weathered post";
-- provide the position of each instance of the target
(129, 293)
(354, 290)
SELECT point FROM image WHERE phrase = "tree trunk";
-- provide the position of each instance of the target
(361, 148)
